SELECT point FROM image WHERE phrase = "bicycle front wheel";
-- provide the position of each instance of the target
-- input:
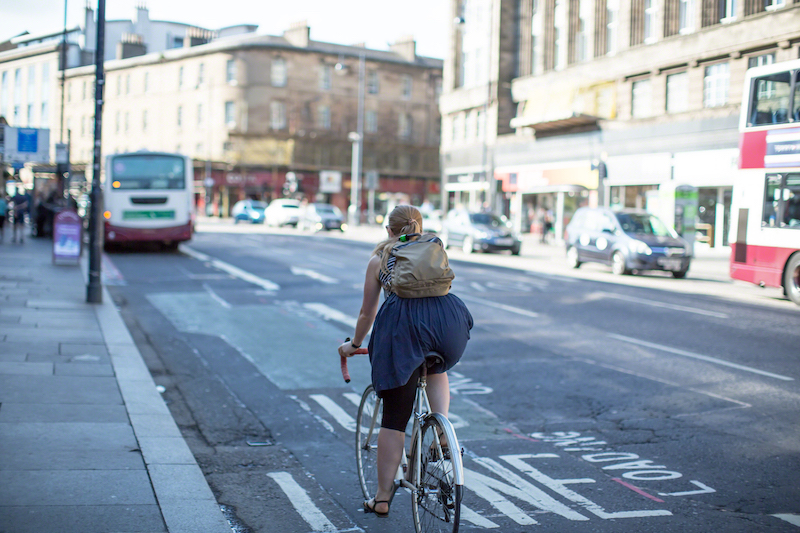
(437, 504)
(368, 420)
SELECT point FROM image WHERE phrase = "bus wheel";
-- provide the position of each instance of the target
(791, 279)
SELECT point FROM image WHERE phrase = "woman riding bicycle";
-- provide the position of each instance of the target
(404, 331)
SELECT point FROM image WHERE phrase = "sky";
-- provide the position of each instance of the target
(374, 22)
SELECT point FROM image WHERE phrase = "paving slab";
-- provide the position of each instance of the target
(79, 369)
(21, 367)
(36, 412)
(76, 487)
(83, 519)
(59, 389)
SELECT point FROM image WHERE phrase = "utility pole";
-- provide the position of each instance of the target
(94, 290)
(62, 167)
(357, 138)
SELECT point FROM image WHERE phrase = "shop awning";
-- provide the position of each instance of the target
(567, 122)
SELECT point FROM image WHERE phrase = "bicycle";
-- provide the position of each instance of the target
(433, 471)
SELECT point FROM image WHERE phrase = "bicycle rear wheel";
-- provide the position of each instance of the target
(368, 421)
(437, 505)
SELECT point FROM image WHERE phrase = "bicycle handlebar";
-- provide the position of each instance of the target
(343, 362)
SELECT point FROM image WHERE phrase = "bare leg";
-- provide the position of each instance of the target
(439, 393)
(390, 452)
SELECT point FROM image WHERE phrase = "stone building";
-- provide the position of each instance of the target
(264, 116)
(648, 92)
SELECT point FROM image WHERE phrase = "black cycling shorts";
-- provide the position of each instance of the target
(398, 404)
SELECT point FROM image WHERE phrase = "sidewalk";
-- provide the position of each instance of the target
(86, 442)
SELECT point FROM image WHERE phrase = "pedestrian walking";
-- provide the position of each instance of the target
(3, 213)
(405, 330)
(20, 204)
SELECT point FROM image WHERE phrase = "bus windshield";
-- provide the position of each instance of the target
(138, 172)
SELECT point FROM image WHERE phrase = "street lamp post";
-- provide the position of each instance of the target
(94, 290)
(357, 138)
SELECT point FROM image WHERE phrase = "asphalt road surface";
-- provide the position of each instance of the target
(592, 403)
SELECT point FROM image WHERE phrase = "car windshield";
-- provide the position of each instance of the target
(325, 208)
(289, 206)
(644, 224)
(258, 206)
(489, 220)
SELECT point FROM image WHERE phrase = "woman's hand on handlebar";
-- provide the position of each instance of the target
(346, 349)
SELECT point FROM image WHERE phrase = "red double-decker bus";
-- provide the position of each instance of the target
(765, 210)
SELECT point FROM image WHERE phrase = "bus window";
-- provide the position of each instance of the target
(791, 198)
(770, 100)
(796, 106)
(772, 200)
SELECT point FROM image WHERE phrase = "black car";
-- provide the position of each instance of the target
(485, 232)
(628, 240)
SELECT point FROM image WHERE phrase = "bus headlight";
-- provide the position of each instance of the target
(107, 215)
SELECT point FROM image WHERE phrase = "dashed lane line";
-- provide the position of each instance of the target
(230, 269)
(302, 502)
(700, 357)
(510, 309)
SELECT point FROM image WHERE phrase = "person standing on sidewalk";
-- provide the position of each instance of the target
(3, 212)
(20, 203)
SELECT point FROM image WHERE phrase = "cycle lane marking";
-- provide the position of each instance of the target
(793, 519)
(662, 305)
(230, 269)
(302, 503)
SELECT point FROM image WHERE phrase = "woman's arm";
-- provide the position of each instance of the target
(369, 307)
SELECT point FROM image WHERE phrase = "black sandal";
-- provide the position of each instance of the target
(371, 508)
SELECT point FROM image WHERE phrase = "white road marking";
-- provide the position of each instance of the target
(217, 297)
(230, 269)
(704, 489)
(302, 503)
(664, 305)
(305, 407)
(333, 409)
(471, 516)
(700, 357)
(329, 313)
(354, 398)
(510, 309)
(477, 286)
(313, 275)
(791, 518)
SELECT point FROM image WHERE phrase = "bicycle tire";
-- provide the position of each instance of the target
(436, 507)
(368, 419)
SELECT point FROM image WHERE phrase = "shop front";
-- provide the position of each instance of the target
(543, 198)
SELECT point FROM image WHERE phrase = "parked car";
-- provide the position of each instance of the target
(628, 240)
(317, 217)
(431, 221)
(249, 211)
(485, 232)
(283, 212)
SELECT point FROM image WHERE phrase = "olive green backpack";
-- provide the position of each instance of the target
(421, 268)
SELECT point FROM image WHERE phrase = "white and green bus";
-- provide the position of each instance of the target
(148, 196)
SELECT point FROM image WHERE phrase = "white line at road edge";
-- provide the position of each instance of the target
(664, 305)
(230, 269)
(693, 355)
(302, 503)
(329, 313)
(791, 518)
(517, 310)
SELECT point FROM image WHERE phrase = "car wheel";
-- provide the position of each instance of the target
(573, 259)
(515, 250)
(680, 274)
(236, 220)
(618, 266)
(468, 245)
(791, 279)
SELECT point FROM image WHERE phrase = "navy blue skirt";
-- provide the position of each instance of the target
(406, 329)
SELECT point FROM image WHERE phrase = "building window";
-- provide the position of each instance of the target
(146, 81)
(4, 94)
(324, 117)
(127, 121)
(372, 82)
(405, 126)
(200, 74)
(325, 76)
(650, 12)
(715, 85)
(677, 92)
(230, 71)
(371, 121)
(476, 31)
(278, 73)
(29, 115)
(584, 12)
(406, 86)
(180, 78)
(685, 16)
(277, 115)
(612, 26)
(230, 114)
(144, 120)
(727, 10)
(771, 5)
(480, 125)
(180, 116)
(642, 99)
(44, 119)
(117, 123)
(199, 114)
(560, 35)
(759, 61)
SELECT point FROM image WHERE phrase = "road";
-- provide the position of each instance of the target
(584, 402)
